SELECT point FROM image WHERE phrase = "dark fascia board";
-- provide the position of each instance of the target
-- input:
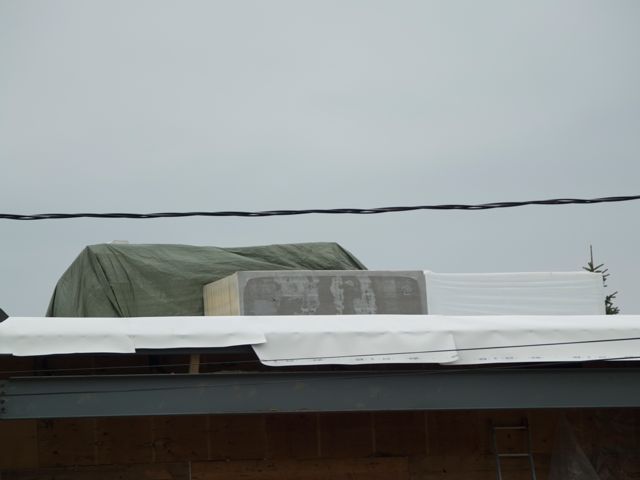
(224, 393)
(235, 350)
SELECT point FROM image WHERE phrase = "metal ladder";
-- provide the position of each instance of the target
(498, 455)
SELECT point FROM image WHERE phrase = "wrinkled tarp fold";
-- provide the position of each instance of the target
(122, 280)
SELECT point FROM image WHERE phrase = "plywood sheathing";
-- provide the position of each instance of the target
(433, 445)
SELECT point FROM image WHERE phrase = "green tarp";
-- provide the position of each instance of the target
(120, 280)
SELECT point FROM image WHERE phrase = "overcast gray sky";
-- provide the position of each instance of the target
(209, 105)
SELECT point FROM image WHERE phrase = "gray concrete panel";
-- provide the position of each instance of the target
(317, 293)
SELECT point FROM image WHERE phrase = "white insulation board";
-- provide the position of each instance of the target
(538, 293)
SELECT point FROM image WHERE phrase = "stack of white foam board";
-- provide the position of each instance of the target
(557, 293)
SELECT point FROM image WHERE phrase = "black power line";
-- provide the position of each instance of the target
(333, 211)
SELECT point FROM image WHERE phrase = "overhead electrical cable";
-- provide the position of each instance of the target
(331, 211)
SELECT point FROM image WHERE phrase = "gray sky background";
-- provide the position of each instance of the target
(200, 105)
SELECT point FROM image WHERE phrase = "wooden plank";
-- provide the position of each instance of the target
(194, 363)
(18, 444)
(334, 469)
(292, 435)
(122, 364)
(542, 424)
(346, 435)
(611, 436)
(237, 437)
(122, 440)
(180, 438)
(512, 441)
(508, 441)
(63, 442)
(462, 467)
(457, 433)
(11, 366)
(472, 467)
(169, 363)
(68, 364)
(103, 472)
(399, 433)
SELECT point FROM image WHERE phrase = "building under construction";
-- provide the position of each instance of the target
(295, 362)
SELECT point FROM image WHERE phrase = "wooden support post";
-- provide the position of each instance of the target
(194, 363)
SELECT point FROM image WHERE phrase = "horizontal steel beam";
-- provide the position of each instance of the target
(111, 395)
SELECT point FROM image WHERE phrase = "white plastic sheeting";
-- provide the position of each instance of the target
(353, 339)
(543, 338)
(457, 340)
(341, 339)
(557, 293)
(23, 336)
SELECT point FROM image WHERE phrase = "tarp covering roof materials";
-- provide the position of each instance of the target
(120, 280)
(473, 318)
(341, 339)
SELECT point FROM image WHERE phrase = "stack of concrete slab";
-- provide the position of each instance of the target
(317, 292)
(344, 292)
